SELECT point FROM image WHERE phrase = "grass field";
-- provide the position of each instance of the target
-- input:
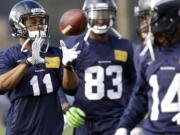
(2, 129)
(68, 131)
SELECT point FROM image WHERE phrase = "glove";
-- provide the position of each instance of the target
(36, 48)
(75, 117)
(176, 118)
(121, 131)
(69, 54)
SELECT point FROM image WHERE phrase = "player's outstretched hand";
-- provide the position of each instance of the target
(75, 117)
(36, 48)
(69, 54)
(176, 118)
(121, 131)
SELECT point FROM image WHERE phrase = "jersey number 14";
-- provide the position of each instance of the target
(167, 105)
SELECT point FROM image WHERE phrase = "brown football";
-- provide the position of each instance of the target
(73, 22)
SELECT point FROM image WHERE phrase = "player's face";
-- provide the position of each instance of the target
(143, 26)
(100, 22)
(35, 23)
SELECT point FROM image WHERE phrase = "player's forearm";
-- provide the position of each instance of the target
(11, 78)
(134, 113)
(70, 79)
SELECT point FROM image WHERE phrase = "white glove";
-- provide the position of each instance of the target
(121, 131)
(36, 48)
(137, 131)
(69, 54)
(176, 118)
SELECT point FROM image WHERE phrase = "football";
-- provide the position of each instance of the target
(73, 22)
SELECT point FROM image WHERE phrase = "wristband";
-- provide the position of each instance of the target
(24, 61)
(69, 67)
(66, 109)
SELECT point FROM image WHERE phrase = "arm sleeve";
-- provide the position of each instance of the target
(129, 75)
(137, 57)
(4, 67)
(137, 106)
(2, 92)
(4, 63)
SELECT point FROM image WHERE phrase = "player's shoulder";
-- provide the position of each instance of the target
(121, 41)
(138, 48)
(14, 50)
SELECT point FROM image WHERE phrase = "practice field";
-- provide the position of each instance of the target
(2, 129)
(68, 131)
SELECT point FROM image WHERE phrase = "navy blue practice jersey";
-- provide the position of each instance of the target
(35, 108)
(156, 92)
(106, 73)
(40, 79)
(137, 58)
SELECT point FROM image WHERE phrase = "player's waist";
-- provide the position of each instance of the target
(103, 115)
(165, 127)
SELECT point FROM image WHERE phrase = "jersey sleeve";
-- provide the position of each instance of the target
(2, 92)
(137, 106)
(4, 66)
(137, 57)
(4, 63)
(129, 74)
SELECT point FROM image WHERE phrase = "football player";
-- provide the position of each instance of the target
(106, 71)
(143, 13)
(157, 88)
(31, 73)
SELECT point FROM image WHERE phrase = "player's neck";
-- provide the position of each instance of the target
(99, 38)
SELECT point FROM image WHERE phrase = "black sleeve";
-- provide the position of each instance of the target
(137, 107)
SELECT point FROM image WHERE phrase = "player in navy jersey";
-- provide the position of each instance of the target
(106, 71)
(157, 88)
(31, 73)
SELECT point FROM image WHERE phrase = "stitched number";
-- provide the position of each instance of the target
(35, 85)
(167, 105)
(94, 78)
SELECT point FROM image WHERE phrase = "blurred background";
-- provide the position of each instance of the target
(125, 24)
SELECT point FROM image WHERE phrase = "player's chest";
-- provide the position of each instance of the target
(102, 56)
(165, 65)
(52, 67)
(164, 73)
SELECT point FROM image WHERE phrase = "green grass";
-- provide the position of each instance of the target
(68, 130)
(2, 129)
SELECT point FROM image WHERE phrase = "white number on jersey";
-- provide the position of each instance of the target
(35, 85)
(94, 77)
(167, 105)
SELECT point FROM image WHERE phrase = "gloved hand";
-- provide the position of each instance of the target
(75, 117)
(69, 54)
(176, 118)
(36, 48)
(121, 131)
